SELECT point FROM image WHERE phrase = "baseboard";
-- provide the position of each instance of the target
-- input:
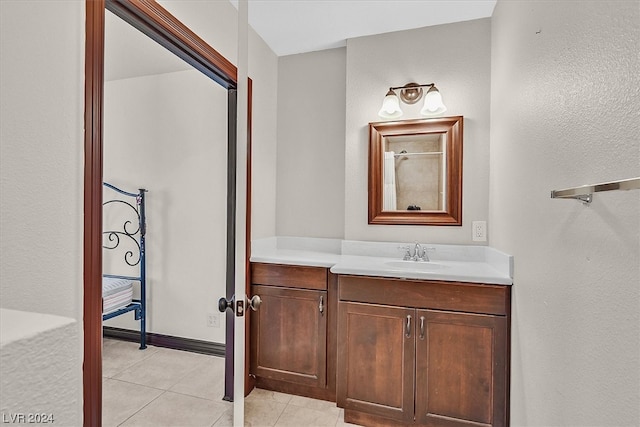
(167, 341)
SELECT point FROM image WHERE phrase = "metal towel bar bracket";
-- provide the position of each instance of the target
(585, 192)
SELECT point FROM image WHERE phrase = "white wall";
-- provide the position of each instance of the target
(310, 166)
(168, 133)
(41, 163)
(565, 112)
(216, 23)
(41, 169)
(186, 174)
(456, 57)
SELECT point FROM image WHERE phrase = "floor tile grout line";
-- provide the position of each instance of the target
(166, 390)
(173, 384)
(203, 365)
(144, 406)
(280, 416)
(138, 384)
(134, 363)
(221, 415)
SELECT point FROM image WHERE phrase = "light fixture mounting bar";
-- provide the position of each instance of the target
(410, 94)
(413, 85)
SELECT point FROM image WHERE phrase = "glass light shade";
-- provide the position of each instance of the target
(433, 103)
(390, 106)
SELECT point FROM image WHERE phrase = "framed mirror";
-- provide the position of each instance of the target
(415, 172)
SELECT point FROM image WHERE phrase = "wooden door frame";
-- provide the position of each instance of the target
(155, 21)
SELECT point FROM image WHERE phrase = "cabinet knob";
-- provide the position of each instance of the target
(254, 302)
(321, 304)
(421, 327)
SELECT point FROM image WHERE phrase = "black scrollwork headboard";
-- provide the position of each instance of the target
(133, 229)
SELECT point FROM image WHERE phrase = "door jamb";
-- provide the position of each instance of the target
(155, 21)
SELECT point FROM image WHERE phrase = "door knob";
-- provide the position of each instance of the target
(224, 304)
(254, 302)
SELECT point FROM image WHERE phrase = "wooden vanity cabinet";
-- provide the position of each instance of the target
(423, 353)
(292, 335)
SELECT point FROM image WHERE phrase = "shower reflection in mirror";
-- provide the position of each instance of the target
(415, 172)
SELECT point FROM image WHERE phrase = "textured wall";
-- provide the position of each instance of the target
(565, 110)
(310, 167)
(41, 158)
(457, 58)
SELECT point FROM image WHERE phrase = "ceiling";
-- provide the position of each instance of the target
(292, 26)
(297, 26)
(129, 53)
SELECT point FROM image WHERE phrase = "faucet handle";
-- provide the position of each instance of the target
(407, 252)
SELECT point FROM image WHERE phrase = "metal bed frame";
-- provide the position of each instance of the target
(111, 240)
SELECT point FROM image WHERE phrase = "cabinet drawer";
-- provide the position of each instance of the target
(290, 276)
(438, 295)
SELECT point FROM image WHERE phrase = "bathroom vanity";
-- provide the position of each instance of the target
(392, 342)
(293, 334)
(422, 352)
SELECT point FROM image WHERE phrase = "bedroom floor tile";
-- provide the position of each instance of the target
(162, 369)
(174, 409)
(118, 356)
(205, 381)
(121, 400)
(164, 387)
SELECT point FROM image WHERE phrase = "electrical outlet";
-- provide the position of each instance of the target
(479, 231)
(213, 320)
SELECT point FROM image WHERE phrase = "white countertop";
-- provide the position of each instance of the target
(475, 264)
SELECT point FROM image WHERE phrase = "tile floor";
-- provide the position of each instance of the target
(163, 387)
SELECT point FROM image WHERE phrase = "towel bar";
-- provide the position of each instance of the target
(585, 192)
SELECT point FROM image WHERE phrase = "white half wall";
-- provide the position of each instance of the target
(456, 57)
(310, 166)
(565, 110)
(38, 385)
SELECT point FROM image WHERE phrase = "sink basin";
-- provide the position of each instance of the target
(414, 265)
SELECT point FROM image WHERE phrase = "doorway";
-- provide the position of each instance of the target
(156, 22)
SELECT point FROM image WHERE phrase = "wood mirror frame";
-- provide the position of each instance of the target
(452, 128)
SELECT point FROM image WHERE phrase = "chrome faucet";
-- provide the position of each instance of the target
(419, 253)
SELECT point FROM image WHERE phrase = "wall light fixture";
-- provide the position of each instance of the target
(410, 94)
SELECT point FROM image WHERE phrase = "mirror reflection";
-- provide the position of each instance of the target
(415, 172)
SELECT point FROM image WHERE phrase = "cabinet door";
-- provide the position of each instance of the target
(376, 354)
(460, 369)
(289, 335)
